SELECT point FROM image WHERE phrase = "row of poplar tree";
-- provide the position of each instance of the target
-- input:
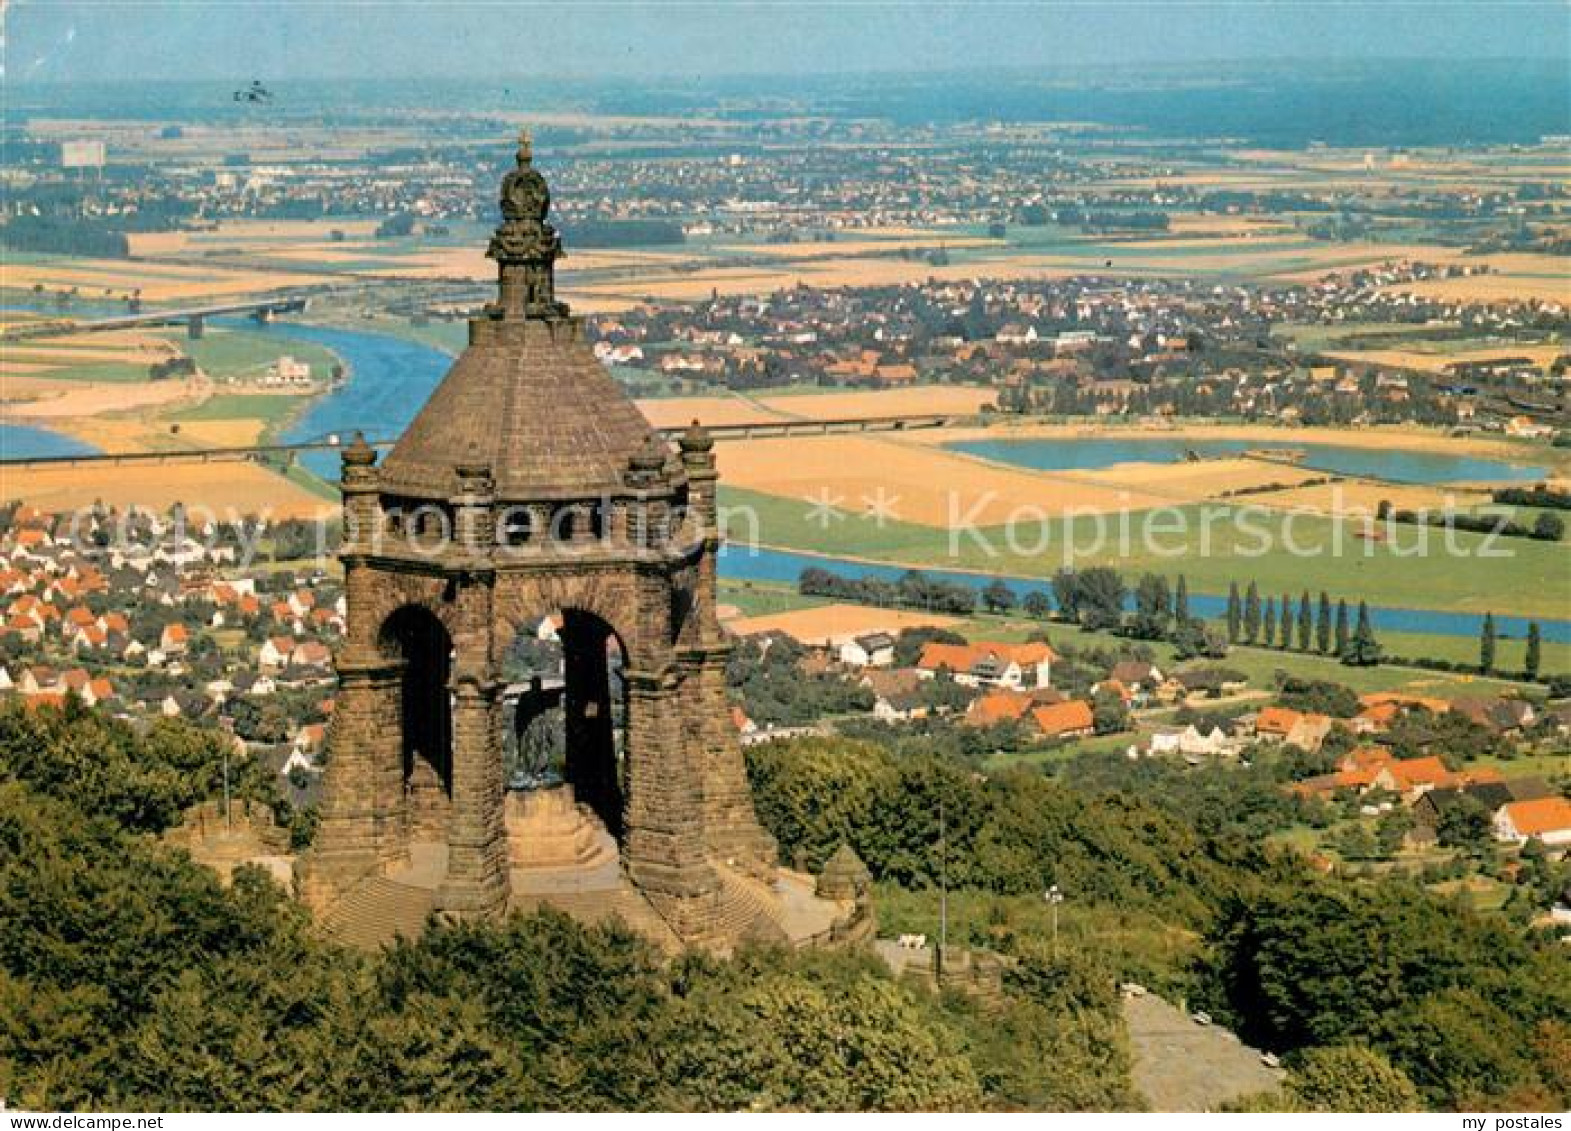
(1313, 628)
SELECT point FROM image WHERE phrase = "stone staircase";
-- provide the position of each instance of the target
(378, 911)
(598, 906)
(749, 909)
(547, 830)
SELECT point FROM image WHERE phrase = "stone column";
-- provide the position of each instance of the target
(362, 510)
(476, 881)
(474, 523)
(731, 829)
(362, 803)
(663, 846)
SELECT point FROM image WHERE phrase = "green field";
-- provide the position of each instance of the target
(1261, 665)
(1529, 579)
(241, 353)
(270, 408)
(117, 372)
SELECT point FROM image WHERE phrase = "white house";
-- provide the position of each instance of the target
(1546, 818)
(872, 650)
(1022, 667)
(276, 651)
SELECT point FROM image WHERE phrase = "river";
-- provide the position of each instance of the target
(390, 379)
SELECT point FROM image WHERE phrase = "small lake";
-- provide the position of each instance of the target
(23, 441)
(1091, 453)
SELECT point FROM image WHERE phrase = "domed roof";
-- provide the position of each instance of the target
(528, 397)
(536, 406)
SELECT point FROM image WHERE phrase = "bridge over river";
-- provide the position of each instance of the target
(331, 443)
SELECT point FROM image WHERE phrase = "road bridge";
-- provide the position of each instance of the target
(758, 430)
(194, 318)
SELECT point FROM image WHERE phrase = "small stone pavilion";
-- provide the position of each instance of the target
(530, 485)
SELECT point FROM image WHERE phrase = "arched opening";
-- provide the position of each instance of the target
(417, 639)
(564, 711)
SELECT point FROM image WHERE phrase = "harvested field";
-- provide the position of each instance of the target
(833, 624)
(247, 236)
(1192, 482)
(238, 488)
(917, 484)
(1492, 288)
(1436, 360)
(917, 401)
(677, 412)
(1411, 439)
(77, 398)
(850, 247)
(471, 263)
(162, 282)
(1357, 497)
(242, 433)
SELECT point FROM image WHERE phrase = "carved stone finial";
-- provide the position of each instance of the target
(696, 440)
(651, 457)
(358, 453)
(525, 246)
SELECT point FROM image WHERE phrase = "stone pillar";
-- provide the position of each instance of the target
(663, 846)
(362, 825)
(731, 829)
(474, 524)
(476, 881)
(362, 511)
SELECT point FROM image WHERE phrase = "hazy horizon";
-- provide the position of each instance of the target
(81, 41)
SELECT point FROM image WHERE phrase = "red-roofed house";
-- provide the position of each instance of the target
(174, 640)
(1001, 706)
(1070, 719)
(990, 664)
(1546, 818)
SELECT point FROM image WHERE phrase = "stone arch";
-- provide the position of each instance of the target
(585, 697)
(415, 640)
(611, 596)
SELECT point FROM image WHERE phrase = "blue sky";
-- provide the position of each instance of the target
(78, 40)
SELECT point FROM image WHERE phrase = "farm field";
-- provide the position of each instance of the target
(153, 282)
(69, 404)
(228, 488)
(717, 410)
(920, 400)
(124, 411)
(1271, 436)
(814, 403)
(1358, 497)
(834, 623)
(922, 484)
(914, 484)
(1335, 558)
(1434, 357)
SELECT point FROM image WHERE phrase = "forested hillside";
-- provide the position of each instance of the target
(131, 978)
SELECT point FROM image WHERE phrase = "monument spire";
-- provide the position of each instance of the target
(525, 246)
